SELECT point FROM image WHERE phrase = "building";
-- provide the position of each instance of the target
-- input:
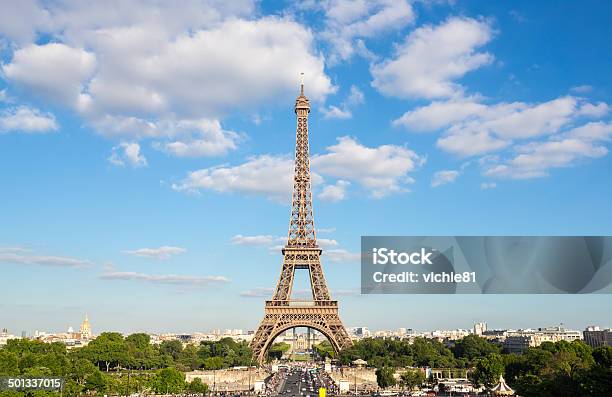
(597, 337)
(360, 332)
(85, 329)
(518, 341)
(5, 337)
(480, 328)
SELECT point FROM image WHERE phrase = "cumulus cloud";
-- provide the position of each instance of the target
(258, 240)
(334, 112)
(127, 152)
(349, 23)
(534, 160)
(474, 128)
(354, 98)
(54, 72)
(147, 70)
(266, 175)
(444, 177)
(381, 170)
(416, 71)
(334, 193)
(593, 131)
(594, 110)
(22, 256)
(26, 120)
(163, 252)
(190, 138)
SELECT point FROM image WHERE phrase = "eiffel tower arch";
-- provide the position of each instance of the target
(301, 252)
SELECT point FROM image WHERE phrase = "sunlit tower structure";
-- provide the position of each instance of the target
(301, 252)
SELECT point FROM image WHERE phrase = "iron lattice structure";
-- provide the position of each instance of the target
(301, 252)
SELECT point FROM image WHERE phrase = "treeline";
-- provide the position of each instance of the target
(550, 370)
(111, 350)
(112, 364)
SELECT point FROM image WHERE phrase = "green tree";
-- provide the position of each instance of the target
(412, 378)
(9, 363)
(488, 370)
(108, 349)
(172, 348)
(197, 387)
(603, 356)
(277, 350)
(213, 363)
(169, 380)
(473, 346)
(325, 350)
(384, 377)
(188, 358)
(96, 381)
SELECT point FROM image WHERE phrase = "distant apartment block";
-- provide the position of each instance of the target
(597, 337)
(518, 341)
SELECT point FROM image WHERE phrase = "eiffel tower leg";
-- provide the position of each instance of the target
(279, 319)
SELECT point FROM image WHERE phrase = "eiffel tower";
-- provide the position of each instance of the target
(301, 252)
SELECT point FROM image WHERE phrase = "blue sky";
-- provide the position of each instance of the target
(145, 152)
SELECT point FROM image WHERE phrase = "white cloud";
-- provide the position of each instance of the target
(470, 142)
(266, 175)
(163, 252)
(534, 160)
(172, 279)
(444, 177)
(334, 193)
(22, 256)
(54, 72)
(341, 255)
(474, 128)
(381, 170)
(334, 112)
(26, 120)
(207, 139)
(212, 76)
(354, 98)
(591, 110)
(127, 152)
(418, 71)
(327, 243)
(581, 89)
(439, 114)
(348, 23)
(147, 70)
(258, 240)
(19, 20)
(593, 131)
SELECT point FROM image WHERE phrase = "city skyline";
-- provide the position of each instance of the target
(134, 186)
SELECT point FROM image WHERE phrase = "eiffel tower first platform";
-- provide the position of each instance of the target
(301, 252)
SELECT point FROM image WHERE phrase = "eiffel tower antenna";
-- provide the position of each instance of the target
(300, 252)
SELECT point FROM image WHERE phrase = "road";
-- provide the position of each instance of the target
(300, 383)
